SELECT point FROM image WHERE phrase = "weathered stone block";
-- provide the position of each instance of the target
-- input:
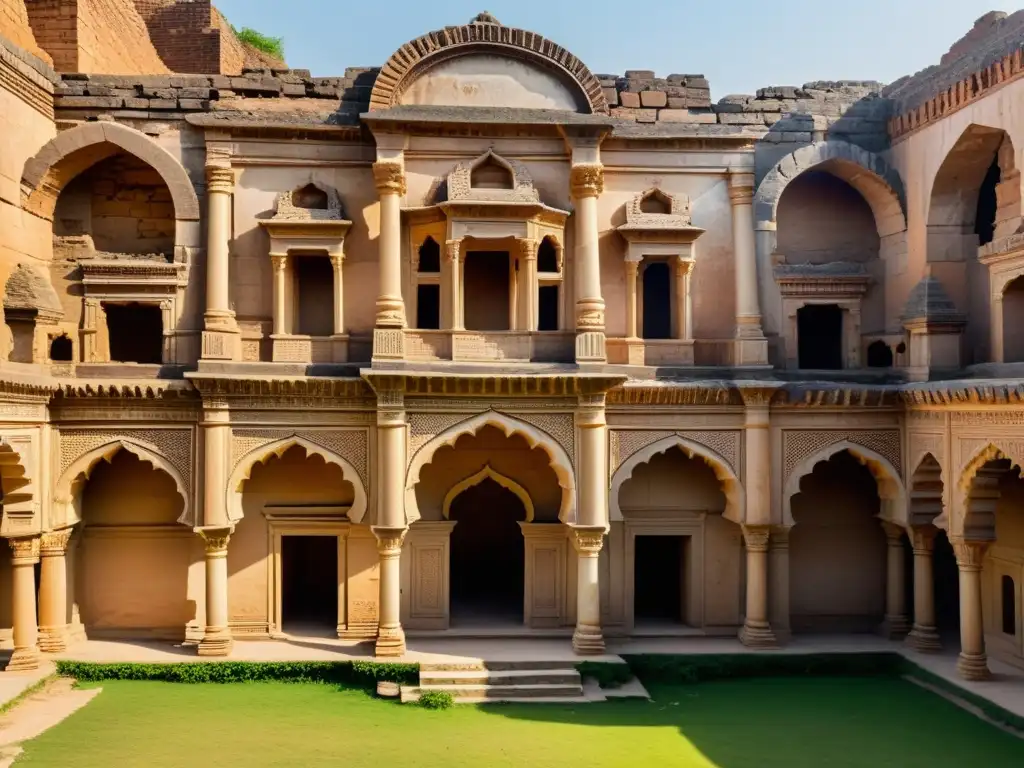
(741, 118)
(653, 99)
(639, 74)
(686, 116)
(628, 99)
(624, 113)
(91, 102)
(163, 103)
(293, 89)
(197, 104)
(611, 95)
(647, 116)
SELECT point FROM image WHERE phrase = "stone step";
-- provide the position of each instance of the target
(492, 666)
(500, 677)
(476, 692)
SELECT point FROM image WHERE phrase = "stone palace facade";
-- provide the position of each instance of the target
(482, 343)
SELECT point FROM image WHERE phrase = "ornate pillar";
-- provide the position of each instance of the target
(23, 581)
(682, 319)
(280, 263)
(53, 591)
(751, 346)
(631, 307)
(757, 632)
(587, 183)
(529, 289)
(924, 637)
(221, 339)
(758, 458)
(391, 522)
(592, 521)
(895, 626)
(217, 634)
(973, 663)
(389, 341)
(453, 256)
(337, 263)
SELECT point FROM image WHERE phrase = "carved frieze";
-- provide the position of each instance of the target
(349, 444)
(624, 443)
(175, 445)
(797, 445)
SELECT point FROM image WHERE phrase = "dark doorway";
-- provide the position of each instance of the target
(657, 301)
(487, 556)
(658, 580)
(988, 205)
(314, 282)
(820, 337)
(136, 333)
(486, 291)
(946, 575)
(879, 355)
(309, 582)
(428, 307)
(61, 350)
(548, 309)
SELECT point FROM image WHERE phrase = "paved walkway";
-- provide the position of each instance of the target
(1006, 689)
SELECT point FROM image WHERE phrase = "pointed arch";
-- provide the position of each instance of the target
(953, 197)
(925, 499)
(73, 151)
(653, 200)
(557, 458)
(242, 471)
(890, 487)
(67, 492)
(735, 498)
(489, 473)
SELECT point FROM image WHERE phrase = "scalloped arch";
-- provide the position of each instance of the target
(489, 473)
(419, 55)
(264, 453)
(890, 487)
(13, 479)
(68, 488)
(926, 489)
(509, 426)
(735, 496)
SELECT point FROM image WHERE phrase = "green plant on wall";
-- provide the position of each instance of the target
(270, 45)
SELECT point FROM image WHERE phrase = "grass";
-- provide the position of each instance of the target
(761, 723)
(261, 42)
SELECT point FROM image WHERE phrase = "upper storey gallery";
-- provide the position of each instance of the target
(484, 197)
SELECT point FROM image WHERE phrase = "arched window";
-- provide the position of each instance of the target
(428, 286)
(550, 286)
(310, 197)
(656, 202)
(61, 350)
(879, 355)
(1009, 605)
(491, 174)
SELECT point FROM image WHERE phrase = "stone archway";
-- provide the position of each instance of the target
(15, 484)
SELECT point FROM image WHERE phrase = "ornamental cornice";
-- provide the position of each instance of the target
(491, 385)
(954, 393)
(662, 393)
(150, 389)
(280, 390)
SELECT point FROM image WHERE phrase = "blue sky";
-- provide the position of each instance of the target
(740, 45)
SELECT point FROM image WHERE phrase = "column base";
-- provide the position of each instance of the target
(221, 344)
(924, 640)
(388, 344)
(24, 660)
(894, 627)
(590, 347)
(390, 642)
(750, 351)
(758, 636)
(587, 640)
(216, 642)
(973, 666)
(53, 639)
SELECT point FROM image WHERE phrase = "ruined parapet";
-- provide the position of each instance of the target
(644, 98)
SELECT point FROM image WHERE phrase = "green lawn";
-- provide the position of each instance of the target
(764, 723)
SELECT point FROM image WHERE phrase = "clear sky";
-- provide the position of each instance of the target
(740, 45)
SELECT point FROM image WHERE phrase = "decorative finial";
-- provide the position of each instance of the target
(484, 18)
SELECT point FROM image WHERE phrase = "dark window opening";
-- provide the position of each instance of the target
(486, 291)
(61, 350)
(547, 256)
(491, 174)
(820, 337)
(985, 216)
(658, 579)
(430, 257)
(314, 284)
(309, 581)
(136, 333)
(656, 202)
(879, 355)
(1009, 600)
(548, 308)
(311, 197)
(428, 307)
(657, 301)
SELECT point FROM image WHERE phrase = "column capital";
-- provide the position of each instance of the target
(683, 266)
(756, 537)
(527, 248)
(586, 180)
(220, 178)
(922, 537)
(389, 540)
(337, 259)
(741, 188)
(758, 394)
(591, 411)
(453, 250)
(389, 176)
(893, 532)
(969, 554)
(216, 539)
(25, 550)
(279, 261)
(54, 543)
(587, 540)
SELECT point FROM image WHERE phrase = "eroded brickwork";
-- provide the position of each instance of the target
(15, 27)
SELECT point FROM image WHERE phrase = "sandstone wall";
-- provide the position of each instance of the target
(15, 27)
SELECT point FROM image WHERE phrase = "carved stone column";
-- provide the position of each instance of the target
(757, 632)
(684, 331)
(751, 346)
(896, 625)
(973, 663)
(453, 256)
(389, 341)
(757, 398)
(217, 639)
(588, 639)
(337, 266)
(592, 520)
(778, 584)
(391, 521)
(631, 306)
(924, 636)
(280, 264)
(529, 290)
(587, 183)
(53, 591)
(23, 581)
(221, 339)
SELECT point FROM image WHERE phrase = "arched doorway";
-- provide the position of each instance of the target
(488, 559)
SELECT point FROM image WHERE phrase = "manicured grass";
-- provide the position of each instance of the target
(762, 723)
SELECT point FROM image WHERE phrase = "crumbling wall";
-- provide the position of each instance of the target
(15, 27)
(236, 56)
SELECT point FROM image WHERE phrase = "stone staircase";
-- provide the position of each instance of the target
(490, 681)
